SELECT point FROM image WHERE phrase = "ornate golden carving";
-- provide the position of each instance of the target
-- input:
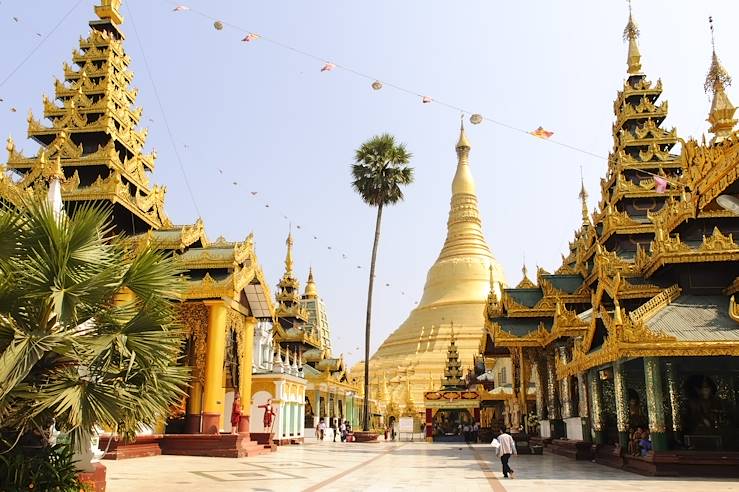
(194, 318)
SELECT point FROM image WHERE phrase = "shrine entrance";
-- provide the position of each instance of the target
(448, 424)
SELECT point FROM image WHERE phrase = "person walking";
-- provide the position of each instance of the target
(342, 430)
(506, 448)
(321, 429)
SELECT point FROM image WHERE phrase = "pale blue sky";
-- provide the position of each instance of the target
(273, 123)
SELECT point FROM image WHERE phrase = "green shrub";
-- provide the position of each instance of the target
(45, 469)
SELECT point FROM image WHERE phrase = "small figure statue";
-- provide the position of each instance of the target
(269, 414)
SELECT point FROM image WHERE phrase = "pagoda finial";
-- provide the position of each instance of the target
(583, 200)
(289, 255)
(721, 115)
(492, 279)
(463, 182)
(463, 145)
(109, 10)
(631, 34)
(311, 292)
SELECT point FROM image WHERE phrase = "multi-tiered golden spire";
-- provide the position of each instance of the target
(93, 131)
(288, 291)
(631, 34)
(721, 115)
(583, 195)
(464, 227)
(457, 287)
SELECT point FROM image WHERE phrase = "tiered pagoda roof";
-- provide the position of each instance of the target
(648, 259)
(298, 332)
(453, 377)
(91, 132)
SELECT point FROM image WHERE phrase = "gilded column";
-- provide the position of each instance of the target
(582, 405)
(655, 409)
(215, 351)
(525, 379)
(582, 391)
(565, 384)
(246, 361)
(673, 391)
(622, 404)
(541, 387)
(552, 388)
(596, 406)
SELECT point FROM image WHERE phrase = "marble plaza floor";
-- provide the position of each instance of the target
(384, 466)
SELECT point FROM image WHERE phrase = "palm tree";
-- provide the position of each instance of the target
(88, 334)
(379, 171)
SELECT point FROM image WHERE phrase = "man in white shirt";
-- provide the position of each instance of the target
(505, 450)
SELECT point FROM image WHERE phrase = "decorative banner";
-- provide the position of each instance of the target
(542, 133)
(660, 184)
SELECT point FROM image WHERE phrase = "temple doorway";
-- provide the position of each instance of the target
(448, 424)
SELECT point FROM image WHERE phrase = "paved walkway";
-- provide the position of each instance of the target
(384, 467)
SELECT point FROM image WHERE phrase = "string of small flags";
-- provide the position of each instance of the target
(299, 226)
(661, 182)
(376, 83)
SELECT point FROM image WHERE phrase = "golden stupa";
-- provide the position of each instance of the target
(457, 286)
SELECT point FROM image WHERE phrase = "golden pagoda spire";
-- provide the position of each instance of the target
(721, 115)
(631, 34)
(289, 255)
(583, 195)
(464, 231)
(311, 292)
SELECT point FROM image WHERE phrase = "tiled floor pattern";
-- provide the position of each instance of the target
(384, 467)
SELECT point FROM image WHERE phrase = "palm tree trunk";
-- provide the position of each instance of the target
(365, 418)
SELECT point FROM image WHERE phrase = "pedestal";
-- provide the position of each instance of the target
(545, 429)
(574, 426)
(192, 424)
(244, 424)
(96, 477)
(211, 423)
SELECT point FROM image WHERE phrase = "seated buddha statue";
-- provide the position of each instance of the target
(703, 407)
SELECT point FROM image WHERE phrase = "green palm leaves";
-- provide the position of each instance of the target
(88, 336)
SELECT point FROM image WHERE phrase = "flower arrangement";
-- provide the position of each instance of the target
(532, 422)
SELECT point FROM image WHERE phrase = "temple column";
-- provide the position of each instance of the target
(301, 420)
(246, 356)
(655, 410)
(596, 406)
(525, 378)
(194, 408)
(622, 404)
(582, 410)
(673, 391)
(565, 385)
(215, 353)
(541, 389)
(556, 423)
